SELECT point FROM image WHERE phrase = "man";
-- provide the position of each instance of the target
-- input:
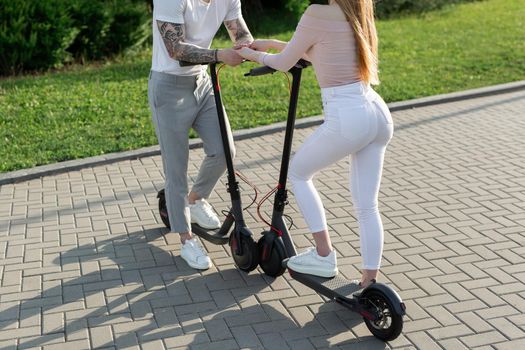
(181, 98)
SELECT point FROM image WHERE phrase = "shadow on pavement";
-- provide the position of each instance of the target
(147, 292)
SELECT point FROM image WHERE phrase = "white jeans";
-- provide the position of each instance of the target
(357, 123)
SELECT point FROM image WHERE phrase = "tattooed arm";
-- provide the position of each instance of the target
(173, 37)
(238, 31)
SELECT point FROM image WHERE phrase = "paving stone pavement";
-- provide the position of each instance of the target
(86, 263)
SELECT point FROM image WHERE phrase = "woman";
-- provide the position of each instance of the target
(340, 40)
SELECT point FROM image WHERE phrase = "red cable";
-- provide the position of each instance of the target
(218, 72)
(289, 83)
(243, 178)
(279, 232)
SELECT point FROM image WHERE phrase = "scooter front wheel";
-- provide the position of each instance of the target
(390, 323)
(272, 255)
(249, 258)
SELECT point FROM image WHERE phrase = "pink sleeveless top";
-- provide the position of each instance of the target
(329, 45)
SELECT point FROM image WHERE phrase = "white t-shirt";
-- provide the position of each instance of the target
(202, 21)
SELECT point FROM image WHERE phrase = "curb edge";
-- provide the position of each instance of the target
(71, 165)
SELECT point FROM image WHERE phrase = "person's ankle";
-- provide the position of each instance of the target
(185, 236)
(365, 283)
(324, 251)
(192, 197)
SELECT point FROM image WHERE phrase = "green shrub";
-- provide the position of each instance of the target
(296, 7)
(106, 28)
(91, 21)
(253, 9)
(33, 35)
(384, 8)
(131, 24)
(390, 8)
(37, 35)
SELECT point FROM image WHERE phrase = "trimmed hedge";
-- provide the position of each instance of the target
(390, 8)
(106, 27)
(37, 35)
(384, 8)
(33, 35)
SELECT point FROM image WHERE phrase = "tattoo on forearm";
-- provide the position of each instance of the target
(238, 30)
(173, 36)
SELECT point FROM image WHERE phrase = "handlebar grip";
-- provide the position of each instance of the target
(259, 71)
(302, 63)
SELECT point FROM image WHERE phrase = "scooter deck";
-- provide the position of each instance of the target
(212, 236)
(333, 288)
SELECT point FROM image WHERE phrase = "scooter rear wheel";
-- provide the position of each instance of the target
(390, 323)
(249, 259)
(163, 210)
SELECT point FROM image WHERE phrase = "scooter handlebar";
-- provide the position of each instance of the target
(259, 71)
(268, 70)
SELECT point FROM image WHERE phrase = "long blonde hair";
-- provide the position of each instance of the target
(360, 15)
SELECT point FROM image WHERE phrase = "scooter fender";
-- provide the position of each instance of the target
(391, 294)
(245, 231)
(240, 232)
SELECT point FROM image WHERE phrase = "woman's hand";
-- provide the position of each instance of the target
(239, 45)
(261, 45)
(247, 53)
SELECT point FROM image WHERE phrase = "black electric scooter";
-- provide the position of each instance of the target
(244, 249)
(381, 307)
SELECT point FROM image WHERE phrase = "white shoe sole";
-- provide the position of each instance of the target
(312, 270)
(198, 267)
(206, 227)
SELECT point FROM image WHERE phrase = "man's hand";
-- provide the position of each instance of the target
(229, 57)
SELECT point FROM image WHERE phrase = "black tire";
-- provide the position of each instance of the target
(390, 325)
(272, 266)
(249, 260)
(163, 210)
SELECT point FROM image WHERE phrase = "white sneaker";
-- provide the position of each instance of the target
(312, 263)
(203, 215)
(195, 255)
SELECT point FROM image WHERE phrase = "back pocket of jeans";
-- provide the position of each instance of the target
(355, 122)
(383, 110)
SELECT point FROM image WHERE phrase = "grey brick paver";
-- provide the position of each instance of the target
(45, 340)
(511, 345)
(423, 341)
(246, 337)
(185, 340)
(76, 344)
(218, 330)
(86, 263)
(274, 341)
(452, 344)
(483, 339)
(220, 345)
(101, 336)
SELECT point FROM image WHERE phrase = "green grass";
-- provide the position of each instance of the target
(86, 111)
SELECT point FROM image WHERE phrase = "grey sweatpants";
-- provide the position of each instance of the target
(179, 103)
